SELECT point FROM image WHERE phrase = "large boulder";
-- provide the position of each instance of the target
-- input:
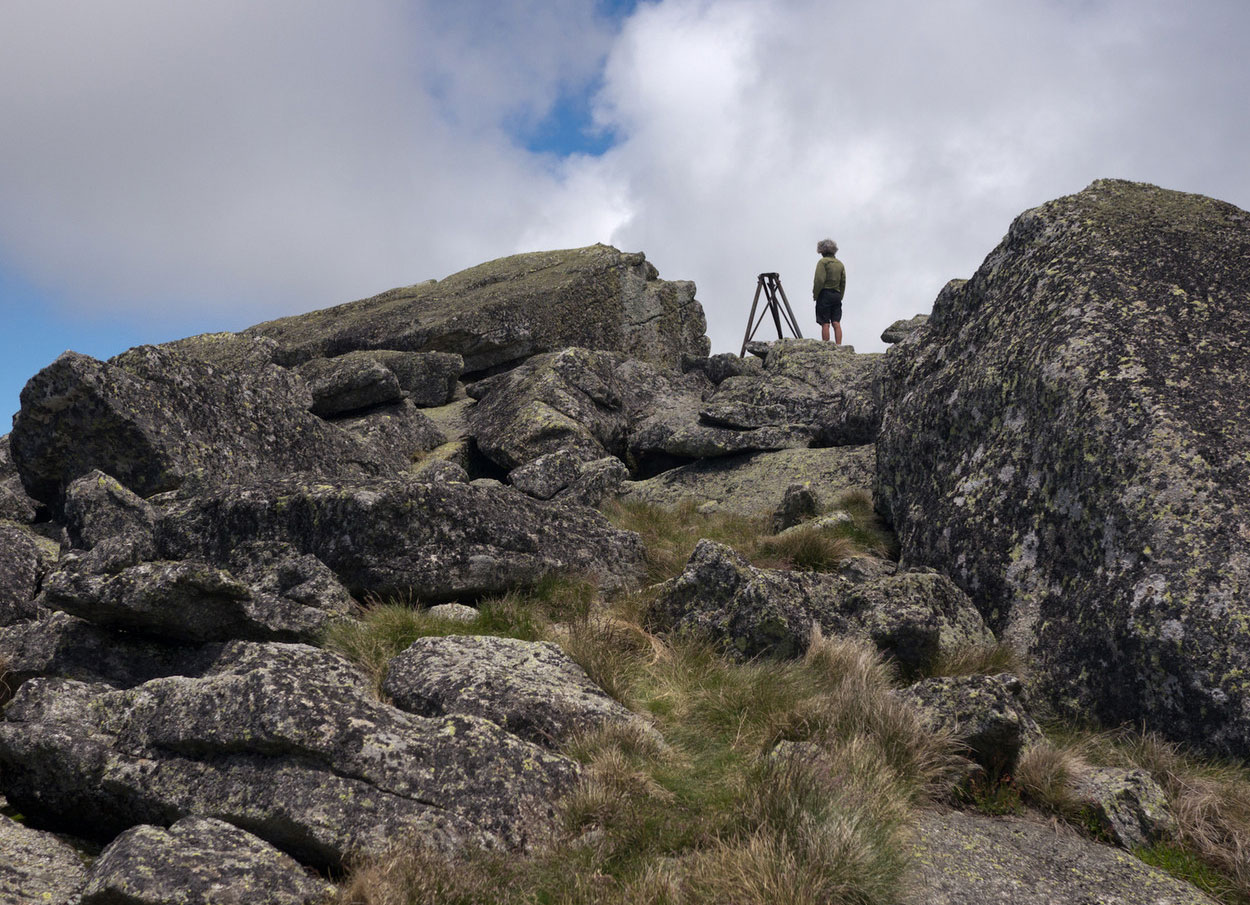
(38, 867)
(507, 310)
(154, 417)
(1066, 437)
(284, 741)
(756, 483)
(968, 859)
(913, 617)
(438, 541)
(531, 688)
(198, 861)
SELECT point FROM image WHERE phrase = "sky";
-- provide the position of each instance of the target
(175, 168)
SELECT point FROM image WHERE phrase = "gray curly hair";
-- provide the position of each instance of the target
(827, 247)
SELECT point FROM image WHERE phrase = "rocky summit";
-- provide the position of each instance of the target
(402, 579)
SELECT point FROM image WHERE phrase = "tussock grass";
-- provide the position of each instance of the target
(670, 536)
(716, 811)
(1210, 800)
(977, 660)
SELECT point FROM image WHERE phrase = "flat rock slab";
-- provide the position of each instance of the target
(755, 484)
(37, 867)
(512, 308)
(438, 541)
(968, 859)
(284, 741)
(199, 861)
(531, 688)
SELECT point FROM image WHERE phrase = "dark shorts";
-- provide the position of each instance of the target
(829, 307)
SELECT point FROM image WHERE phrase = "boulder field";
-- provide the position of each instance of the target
(1060, 446)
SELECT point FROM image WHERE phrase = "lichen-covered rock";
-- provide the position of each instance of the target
(98, 507)
(567, 401)
(15, 505)
(988, 714)
(454, 612)
(63, 645)
(190, 601)
(969, 859)
(348, 383)
(901, 329)
(400, 433)
(1127, 805)
(797, 505)
(437, 541)
(37, 867)
(284, 741)
(512, 308)
(754, 484)
(428, 379)
(531, 688)
(547, 475)
(198, 861)
(1067, 438)
(153, 418)
(824, 391)
(21, 567)
(726, 364)
(596, 482)
(912, 617)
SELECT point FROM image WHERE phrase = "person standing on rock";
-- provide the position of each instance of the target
(827, 290)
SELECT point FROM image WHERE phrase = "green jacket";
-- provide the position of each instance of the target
(830, 274)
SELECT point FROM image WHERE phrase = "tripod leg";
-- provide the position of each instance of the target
(751, 318)
(793, 320)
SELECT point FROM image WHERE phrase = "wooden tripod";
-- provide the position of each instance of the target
(770, 283)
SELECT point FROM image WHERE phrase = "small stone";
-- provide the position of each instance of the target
(1128, 805)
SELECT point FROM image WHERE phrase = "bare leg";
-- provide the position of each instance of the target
(837, 332)
(824, 331)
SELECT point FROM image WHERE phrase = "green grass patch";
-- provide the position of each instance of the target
(670, 535)
(1184, 864)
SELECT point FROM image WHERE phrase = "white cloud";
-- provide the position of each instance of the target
(276, 157)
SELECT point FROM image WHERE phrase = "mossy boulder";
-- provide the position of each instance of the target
(509, 309)
(38, 867)
(1066, 437)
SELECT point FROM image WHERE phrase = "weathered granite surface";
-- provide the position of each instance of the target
(512, 308)
(1067, 439)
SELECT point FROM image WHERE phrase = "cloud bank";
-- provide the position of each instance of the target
(263, 159)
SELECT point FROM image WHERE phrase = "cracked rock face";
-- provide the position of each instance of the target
(510, 309)
(439, 541)
(1066, 438)
(283, 741)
